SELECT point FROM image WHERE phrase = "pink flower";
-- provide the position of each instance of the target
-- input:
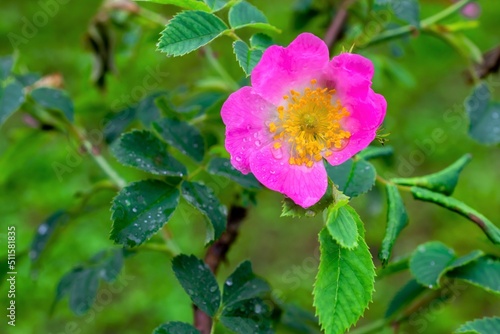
(302, 107)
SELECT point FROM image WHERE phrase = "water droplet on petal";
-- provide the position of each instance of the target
(277, 153)
(258, 143)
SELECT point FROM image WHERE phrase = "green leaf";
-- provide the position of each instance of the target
(397, 220)
(242, 284)
(186, 4)
(484, 272)
(11, 98)
(204, 199)
(244, 14)
(144, 151)
(175, 328)
(353, 177)
(6, 64)
(394, 267)
(109, 263)
(261, 41)
(54, 99)
(429, 262)
(408, 293)
(443, 182)
(298, 320)
(44, 232)
(290, 209)
(83, 290)
(147, 110)
(247, 57)
(183, 136)
(140, 210)
(248, 317)
(342, 222)
(480, 326)
(198, 282)
(189, 31)
(372, 152)
(407, 10)
(216, 5)
(117, 123)
(344, 284)
(223, 167)
(452, 204)
(484, 116)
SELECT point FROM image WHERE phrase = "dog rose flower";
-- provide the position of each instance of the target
(302, 107)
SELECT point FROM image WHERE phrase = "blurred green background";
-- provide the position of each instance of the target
(422, 78)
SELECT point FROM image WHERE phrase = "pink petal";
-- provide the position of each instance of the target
(282, 69)
(304, 185)
(351, 75)
(358, 141)
(244, 113)
(365, 114)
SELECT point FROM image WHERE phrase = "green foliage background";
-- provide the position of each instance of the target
(421, 85)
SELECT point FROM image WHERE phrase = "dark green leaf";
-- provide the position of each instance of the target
(298, 320)
(261, 41)
(183, 136)
(352, 177)
(397, 219)
(342, 222)
(290, 209)
(480, 326)
(189, 31)
(249, 316)
(83, 290)
(216, 5)
(140, 210)
(244, 14)
(466, 259)
(247, 57)
(429, 262)
(147, 110)
(484, 116)
(242, 284)
(372, 152)
(198, 282)
(455, 205)
(204, 199)
(6, 64)
(27, 79)
(484, 272)
(117, 123)
(223, 167)
(11, 98)
(54, 99)
(187, 4)
(109, 263)
(44, 232)
(144, 151)
(404, 296)
(175, 328)
(344, 284)
(407, 10)
(443, 182)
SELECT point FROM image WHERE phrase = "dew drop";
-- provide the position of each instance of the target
(433, 263)
(258, 308)
(238, 159)
(277, 153)
(229, 282)
(258, 143)
(212, 289)
(42, 229)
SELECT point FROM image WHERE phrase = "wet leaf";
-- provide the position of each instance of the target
(353, 177)
(55, 100)
(183, 136)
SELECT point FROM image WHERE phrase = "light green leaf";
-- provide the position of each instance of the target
(261, 41)
(462, 209)
(183, 136)
(397, 220)
(142, 150)
(443, 182)
(198, 282)
(189, 31)
(344, 284)
(242, 284)
(372, 152)
(186, 4)
(429, 262)
(216, 5)
(54, 99)
(204, 199)
(353, 177)
(342, 222)
(223, 167)
(244, 14)
(175, 327)
(480, 326)
(484, 272)
(11, 98)
(484, 116)
(140, 210)
(394, 267)
(408, 293)
(247, 57)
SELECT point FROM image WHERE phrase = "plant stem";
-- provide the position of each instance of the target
(103, 163)
(370, 328)
(335, 28)
(385, 181)
(216, 65)
(424, 24)
(152, 16)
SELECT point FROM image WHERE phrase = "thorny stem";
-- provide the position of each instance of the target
(424, 24)
(217, 254)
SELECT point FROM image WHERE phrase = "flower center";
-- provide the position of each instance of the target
(311, 124)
